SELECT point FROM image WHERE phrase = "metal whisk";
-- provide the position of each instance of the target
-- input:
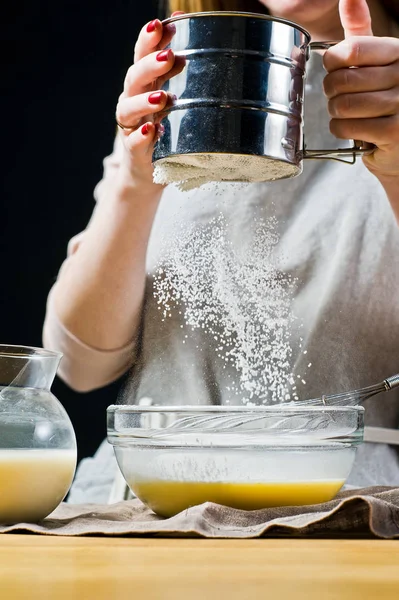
(354, 397)
(225, 421)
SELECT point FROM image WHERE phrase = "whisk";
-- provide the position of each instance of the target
(354, 397)
(235, 419)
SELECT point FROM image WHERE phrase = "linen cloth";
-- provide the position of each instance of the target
(370, 512)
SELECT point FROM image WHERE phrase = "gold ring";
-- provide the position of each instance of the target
(124, 127)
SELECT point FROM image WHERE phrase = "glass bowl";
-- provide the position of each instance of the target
(37, 440)
(247, 458)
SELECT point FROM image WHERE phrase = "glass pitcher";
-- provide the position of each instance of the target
(38, 450)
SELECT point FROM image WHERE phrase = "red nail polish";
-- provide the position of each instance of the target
(152, 26)
(155, 97)
(145, 130)
(164, 55)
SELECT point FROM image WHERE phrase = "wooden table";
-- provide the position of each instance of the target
(58, 568)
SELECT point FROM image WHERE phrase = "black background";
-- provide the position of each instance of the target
(65, 65)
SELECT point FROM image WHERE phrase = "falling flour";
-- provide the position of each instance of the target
(239, 298)
(191, 171)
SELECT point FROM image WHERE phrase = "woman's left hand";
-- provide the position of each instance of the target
(364, 101)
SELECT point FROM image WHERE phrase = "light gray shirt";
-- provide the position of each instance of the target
(340, 243)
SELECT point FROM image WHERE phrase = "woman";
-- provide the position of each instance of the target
(337, 228)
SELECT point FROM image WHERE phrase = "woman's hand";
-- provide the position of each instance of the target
(142, 99)
(362, 86)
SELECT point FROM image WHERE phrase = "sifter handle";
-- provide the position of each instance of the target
(359, 148)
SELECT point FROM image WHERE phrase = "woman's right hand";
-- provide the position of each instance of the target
(142, 99)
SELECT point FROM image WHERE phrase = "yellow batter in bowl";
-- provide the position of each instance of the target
(168, 498)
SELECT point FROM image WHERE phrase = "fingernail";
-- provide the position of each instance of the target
(171, 27)
(159, 130)
(152, 26)
(164, 55)
(145, 130)
(155, 97)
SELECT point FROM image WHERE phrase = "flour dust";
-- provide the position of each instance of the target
(239, 298)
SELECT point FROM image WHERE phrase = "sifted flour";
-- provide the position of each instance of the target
(239, 297)
(189, 171)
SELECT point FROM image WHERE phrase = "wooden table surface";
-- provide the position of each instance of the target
(59, 568)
